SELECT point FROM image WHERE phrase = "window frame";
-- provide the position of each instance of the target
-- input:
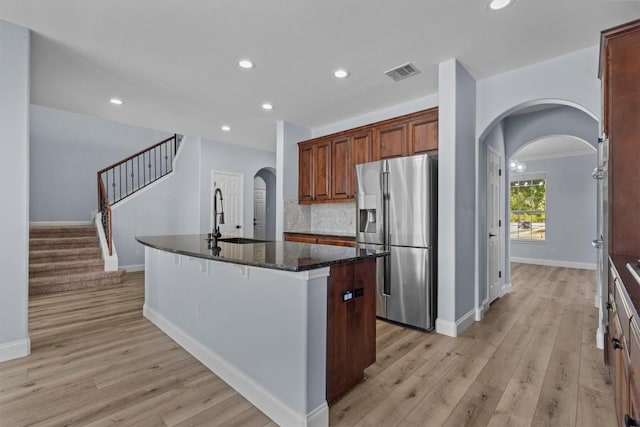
(523, 177)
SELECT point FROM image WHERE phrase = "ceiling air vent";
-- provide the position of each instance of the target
(402, 72)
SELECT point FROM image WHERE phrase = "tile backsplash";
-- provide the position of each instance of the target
(296, 217)
(334, 217)
(322, 217)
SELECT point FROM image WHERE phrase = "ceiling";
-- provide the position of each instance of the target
(175, 63)
(554, 146)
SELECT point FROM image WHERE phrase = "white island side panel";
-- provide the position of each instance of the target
(263, 331)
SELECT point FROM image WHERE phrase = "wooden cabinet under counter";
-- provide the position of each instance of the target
(321, 239)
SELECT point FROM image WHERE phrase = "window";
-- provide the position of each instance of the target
(528, 207)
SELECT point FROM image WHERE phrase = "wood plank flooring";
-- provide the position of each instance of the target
(531, 362)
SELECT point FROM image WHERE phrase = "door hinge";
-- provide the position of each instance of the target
(499, 172)
(499, 223)
(499, 274)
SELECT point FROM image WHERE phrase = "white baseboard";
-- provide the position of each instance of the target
(110, 261)
(132, 268)
(599, 339)
(506, 289)
(15, 349)
(453, 329)
(255, 393)
(555, 263)
(60, 223)
(480, 310)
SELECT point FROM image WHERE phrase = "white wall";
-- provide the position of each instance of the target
(14, 207)
(221, 157)
(571, 214)
(171, 205)
(67, 150)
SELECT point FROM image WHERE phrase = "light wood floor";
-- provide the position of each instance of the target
(96, 361)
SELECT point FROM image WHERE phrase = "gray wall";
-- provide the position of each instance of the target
(456, 196)
(221, 157)
(14, 173)
(67, 151)
(171, 205)
(270, 180)
(571, 212)
(521, 129)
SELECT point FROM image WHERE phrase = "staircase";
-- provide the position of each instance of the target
(66, 257)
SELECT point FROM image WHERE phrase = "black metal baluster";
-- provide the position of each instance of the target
(120, 180)
(155, 164)
(126, 180)
(113, 184)
(166, 165)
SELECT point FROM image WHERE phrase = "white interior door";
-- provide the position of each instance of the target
(493, 225)
(232, 193)
(259, 208)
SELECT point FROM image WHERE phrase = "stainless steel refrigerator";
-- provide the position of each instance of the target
(396, 209)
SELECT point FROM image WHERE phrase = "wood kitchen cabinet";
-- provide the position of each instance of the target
(327, 164)
(321, 239)
(314, 171)
(623, 341)
(620, 74)
(391, 141)
(351, 325)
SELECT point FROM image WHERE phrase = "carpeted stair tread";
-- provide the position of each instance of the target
(53, 255)
(72, 278)
(65, 267)
(63, 242)
(62, 230)
(67, 286)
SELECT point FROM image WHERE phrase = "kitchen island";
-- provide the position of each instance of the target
(290, 326)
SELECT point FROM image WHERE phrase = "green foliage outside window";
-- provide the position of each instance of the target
(528, 209)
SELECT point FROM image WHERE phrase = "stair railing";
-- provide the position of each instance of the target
(126, 177)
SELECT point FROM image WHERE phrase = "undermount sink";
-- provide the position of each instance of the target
(240, 240)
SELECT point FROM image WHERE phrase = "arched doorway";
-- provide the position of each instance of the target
(504, 137)
(264, 204)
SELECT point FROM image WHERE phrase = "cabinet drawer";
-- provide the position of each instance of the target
(622, 307)
(300, 238)
(634, 345)
(336, 241)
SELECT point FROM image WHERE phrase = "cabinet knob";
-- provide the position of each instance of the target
(609, 305)
(630, 422)
(616, 343)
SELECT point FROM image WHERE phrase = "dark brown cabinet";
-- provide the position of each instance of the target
(327, 164)
(620, 74)
(390, 141)
(351, 325)
(340, 168)
(423, 134)
(320, 239)
(314, 169)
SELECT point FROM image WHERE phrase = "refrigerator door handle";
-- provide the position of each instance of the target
(386, 289)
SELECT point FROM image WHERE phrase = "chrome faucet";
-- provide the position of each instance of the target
(215, 234)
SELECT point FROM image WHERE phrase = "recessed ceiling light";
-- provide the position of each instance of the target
(226, 128)
(267, 106)
(341, 74)
(245, 63)
(499, 4)
(116, 101)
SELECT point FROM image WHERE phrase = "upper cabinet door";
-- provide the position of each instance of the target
(322, 170)
(360, 151)
(423, 135)
(340, 170)
(390, 141)
(305, 173)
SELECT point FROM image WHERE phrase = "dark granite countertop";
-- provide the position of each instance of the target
(278, 255)
(351, 235)
(629, 276)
